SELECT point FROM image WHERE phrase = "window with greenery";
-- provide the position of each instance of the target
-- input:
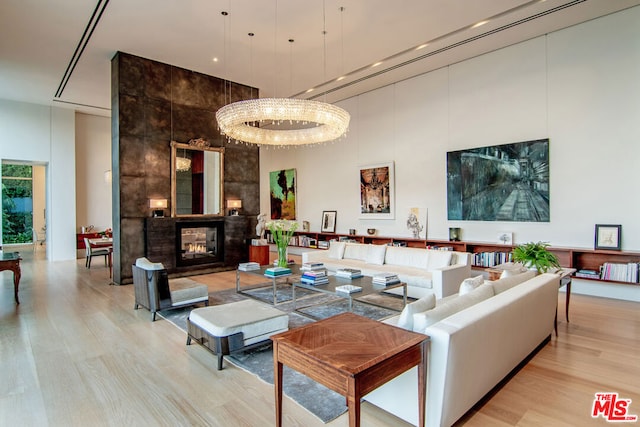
(17, 204)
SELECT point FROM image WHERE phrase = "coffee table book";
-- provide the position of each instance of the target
(348, 289)
(277, 271)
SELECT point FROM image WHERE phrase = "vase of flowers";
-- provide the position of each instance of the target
(281, 231)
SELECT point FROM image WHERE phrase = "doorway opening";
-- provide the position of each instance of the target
(23, 203)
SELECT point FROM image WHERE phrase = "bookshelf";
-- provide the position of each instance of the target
(578, 258)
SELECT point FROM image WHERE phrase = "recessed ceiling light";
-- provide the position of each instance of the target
(376, 64)
(215, 59)
(340, 78)
(309, 90)
(422, 46)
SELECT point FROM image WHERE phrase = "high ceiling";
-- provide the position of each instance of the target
(38, 39)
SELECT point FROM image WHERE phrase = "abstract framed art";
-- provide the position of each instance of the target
(377, 191)
(282, 189)
(508, 182)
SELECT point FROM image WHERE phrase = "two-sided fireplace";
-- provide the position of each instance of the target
(199, 242)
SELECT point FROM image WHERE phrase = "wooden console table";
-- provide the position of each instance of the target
(352, 355)
(11, 261)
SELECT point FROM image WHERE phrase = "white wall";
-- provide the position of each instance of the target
(45, 135)
(579, 87)
(93, 159)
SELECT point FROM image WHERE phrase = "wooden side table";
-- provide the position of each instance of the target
(259, 254)
(352, 355)
(11, 261)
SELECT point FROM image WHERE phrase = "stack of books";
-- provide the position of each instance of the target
(348, 289)
(277, 271)
(311, 266)
(588, 274)
(248, 266)
(385, 279)
(316, 277)
(349, 273)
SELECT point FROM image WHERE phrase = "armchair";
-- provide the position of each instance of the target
(154, 291)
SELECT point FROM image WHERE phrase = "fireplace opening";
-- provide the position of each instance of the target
(199, 242)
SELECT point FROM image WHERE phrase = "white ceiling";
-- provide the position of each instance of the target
(38, 39)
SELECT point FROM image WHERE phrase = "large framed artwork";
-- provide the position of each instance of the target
(282, 189)
(508, 182)
(377, 191)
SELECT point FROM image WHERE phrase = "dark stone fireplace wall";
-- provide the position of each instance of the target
(152, 104)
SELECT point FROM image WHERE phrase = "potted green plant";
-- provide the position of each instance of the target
(536, 256)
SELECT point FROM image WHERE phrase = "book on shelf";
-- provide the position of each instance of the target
(248, 266)
(588, 274)
(348, 289)
(323, 244)
(277, 271)
(385, 279)
(349, 273)
(620, 272)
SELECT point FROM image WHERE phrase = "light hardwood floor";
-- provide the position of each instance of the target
(75, 353)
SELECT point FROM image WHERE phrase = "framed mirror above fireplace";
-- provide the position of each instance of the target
(197, 179)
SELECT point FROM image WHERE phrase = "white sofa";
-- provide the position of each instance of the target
(472, 350)
(424, 271)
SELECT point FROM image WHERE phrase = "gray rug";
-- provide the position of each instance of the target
(317, 399)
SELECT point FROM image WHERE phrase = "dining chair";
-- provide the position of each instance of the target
(95, 251)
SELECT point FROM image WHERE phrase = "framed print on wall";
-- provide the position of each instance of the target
(608, 237)
(377, 197)
(282, 192)
(328, 222)
(507, 182)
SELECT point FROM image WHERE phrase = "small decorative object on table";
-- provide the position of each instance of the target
(371, 231)
(281, 231)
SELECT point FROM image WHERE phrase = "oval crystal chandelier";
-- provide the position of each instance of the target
(321, 122)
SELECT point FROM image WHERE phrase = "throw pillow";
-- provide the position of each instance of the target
(375, 254)
(470, 284)
(512, 272)
(148, 265)
(507, 283)
(423, 304)
(336, 249)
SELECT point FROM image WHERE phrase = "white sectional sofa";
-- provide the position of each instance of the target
(476, 340)
(425, 271)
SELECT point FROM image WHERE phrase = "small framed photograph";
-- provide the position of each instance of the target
(608, 236)
(454, 234)
(328, 222)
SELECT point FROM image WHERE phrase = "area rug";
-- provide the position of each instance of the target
(317, 399)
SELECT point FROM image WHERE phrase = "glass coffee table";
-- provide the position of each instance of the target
(364, 282)
(293, 276)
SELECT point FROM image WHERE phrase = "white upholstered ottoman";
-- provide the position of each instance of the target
(226, 328)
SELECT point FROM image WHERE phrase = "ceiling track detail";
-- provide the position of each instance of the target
(449, 47)
(82, 44)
